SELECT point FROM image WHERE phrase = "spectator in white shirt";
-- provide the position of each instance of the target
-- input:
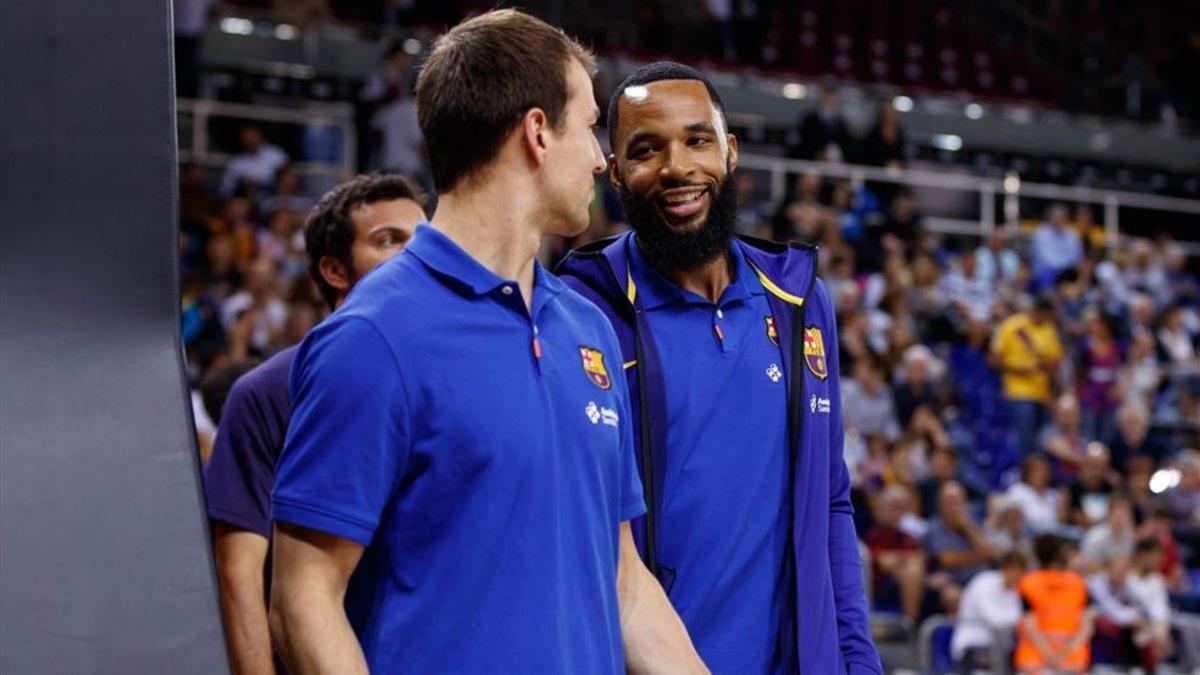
(1133, 608)
(988, 613)
(1040, 504)
(1111, 539)
(257, 162)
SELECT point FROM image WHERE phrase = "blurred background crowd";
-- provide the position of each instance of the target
(1037, 373)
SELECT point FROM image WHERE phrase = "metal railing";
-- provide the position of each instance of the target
(198, 112)
(1011, 189)
(1006, 192)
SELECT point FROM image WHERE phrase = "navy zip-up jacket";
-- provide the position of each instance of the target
(829, 622)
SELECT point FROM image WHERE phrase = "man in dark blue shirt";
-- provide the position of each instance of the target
(356, 226)
(461, 442)
(730, 347)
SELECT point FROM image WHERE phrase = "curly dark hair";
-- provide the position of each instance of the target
(329, 229)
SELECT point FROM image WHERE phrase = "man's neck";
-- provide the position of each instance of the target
(709, 281)
(495, 228)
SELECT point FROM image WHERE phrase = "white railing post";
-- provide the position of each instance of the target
(987, 209)
(1112, 228)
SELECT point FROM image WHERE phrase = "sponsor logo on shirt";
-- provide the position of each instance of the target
(818, 405)
(774, 373)
(814, 352)
(600, 415)
(772, 334)
(593, 367)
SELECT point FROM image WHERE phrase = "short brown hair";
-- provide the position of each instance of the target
(329, 229)
(481, 78)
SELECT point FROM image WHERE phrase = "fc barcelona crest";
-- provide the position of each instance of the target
(814, 353)
(593, 366)
(772, 334)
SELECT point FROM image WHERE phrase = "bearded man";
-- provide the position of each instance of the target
(730, 348)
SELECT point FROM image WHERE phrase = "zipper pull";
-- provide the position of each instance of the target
(537, 349)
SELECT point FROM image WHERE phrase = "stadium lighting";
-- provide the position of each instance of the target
(236, 26)
(902, 103)
(286, 31)
(1163, 480)
(973, 111)
(1012, 182)
(794, 91)
(947, 142)
(412, 46)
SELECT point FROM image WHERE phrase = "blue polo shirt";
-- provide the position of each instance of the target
(723, 526)
(482, 454)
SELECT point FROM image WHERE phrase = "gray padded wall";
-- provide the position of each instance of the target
(104, 564)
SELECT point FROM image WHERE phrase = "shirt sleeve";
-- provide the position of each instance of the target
(347, 444)
(237, 480)
(845, 564)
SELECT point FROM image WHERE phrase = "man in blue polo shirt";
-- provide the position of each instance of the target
(730, 348)
(460, 442)
(356, 226)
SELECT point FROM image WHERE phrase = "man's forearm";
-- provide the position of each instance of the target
(241, 557)
(656, 640)
(313, 634)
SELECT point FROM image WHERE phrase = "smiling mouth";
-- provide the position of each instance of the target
(681, 204)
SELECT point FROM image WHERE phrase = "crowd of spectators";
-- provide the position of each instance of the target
(1036, 383)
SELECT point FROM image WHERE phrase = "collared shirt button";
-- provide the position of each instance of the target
(506, 289)
(720, 314)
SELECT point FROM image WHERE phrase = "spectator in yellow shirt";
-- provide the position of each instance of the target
(1026, 350)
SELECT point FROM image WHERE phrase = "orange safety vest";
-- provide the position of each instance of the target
(1058, 600)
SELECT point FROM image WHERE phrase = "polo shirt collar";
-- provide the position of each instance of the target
(447, 258)
(655, 290)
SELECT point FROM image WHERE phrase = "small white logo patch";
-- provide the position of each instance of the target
(818, 405)
(774, 373)
(601, 415)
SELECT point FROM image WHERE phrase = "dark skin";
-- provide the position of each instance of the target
(670, 143)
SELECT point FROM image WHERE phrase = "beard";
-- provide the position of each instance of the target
(668, 249)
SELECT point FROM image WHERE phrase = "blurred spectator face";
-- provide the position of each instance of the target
(381, 230)
(952, 503)
(867, 374)
(903, 207)
(287, 181)
(1095, 464)
(192, 175)
(925, 271)
(1036, 473)
(260, 277)
(967, 264)
(220, 252)
(1012, 520)
(1133, 421)
(892, 505)
(1066, 413)
(1118, 570)
(745, 188)
(1141, 309)
(1083, 216)
(944, 464)
(1057, 216)
(1012, 569)
(1147, 560)
(673, 160)
(998, 240)
(808, 185)
(251, 139)
(1120, 515)
(237, 210)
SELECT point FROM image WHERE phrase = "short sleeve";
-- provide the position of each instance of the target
(238, 478)
(347, 444)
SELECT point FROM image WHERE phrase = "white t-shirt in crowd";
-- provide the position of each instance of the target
(987, 607)
(1040, 510)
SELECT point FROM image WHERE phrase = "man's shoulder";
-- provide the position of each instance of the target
(267, 380)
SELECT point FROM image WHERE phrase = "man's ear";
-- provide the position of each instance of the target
(534, 126)
(334, 272)
(614, 172)
(732, 144)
